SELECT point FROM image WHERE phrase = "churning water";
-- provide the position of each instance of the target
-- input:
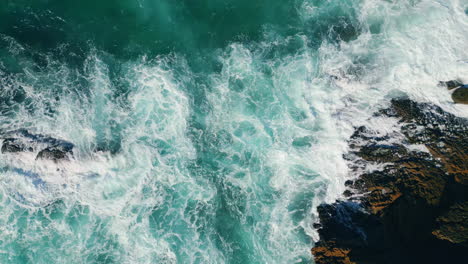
(204, 131)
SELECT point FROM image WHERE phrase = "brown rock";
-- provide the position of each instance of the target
(415, 209)
(331, 255)
(460, 96)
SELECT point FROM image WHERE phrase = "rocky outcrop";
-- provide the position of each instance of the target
(13, 145)
(413, 208)
(460, 95)
(46, 147)
(451, 84)
(54, 153)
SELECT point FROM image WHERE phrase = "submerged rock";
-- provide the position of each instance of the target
(46, 146)
(13, 145)
(460, 95)
(53, 153)
(451, 84)
(413, 209)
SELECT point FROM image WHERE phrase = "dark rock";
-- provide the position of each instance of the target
(381, 152)
(317, 225)
(460, 96)
(453, 225)
(47, 147)
(11, 145)
(348, 193)
(54, 153)
(415, 209)
(349, 182)
(350, 224)
(451, 84)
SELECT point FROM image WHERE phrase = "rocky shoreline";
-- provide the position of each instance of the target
(407, 202)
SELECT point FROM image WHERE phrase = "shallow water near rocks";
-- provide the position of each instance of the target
(204, 131)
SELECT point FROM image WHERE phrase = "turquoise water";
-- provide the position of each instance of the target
(205, 131)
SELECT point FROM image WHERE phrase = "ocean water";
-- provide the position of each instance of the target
(205, 131)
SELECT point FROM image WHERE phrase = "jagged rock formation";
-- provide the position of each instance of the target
(414, 209)
(47, 147)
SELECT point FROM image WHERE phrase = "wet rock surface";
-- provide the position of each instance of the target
(460, 95)
(53, 153)
(13, 145)
(451, 84)
(47, 147)
(414, 208)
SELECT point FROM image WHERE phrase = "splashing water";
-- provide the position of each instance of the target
(204, 131)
